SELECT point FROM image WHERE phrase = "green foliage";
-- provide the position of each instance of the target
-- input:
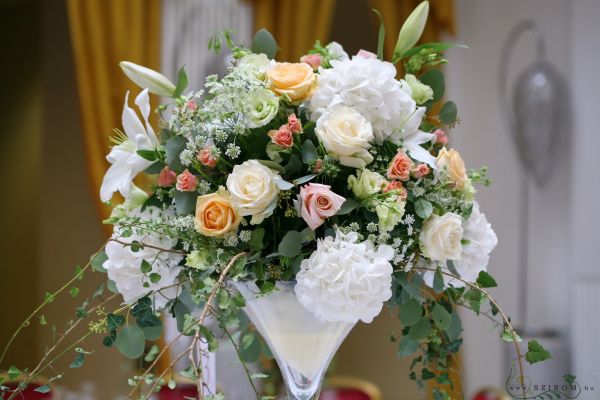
(438, 281)
(144, 313)
(348, 206)
(152, 332)
(434, 78)
(410, 312)
(13, 372)
(441, 317)
(42, 389)
(485, 280)
(213, 344)
(290, 244)
(182, 83)
(249, 347)
(536, 352)
(175, 145)
(74, 291)
(185, 202)
(420, 330)
(380, 35)
(98, 260)
(423, 208)
(113, 321)
(130, 341)
(448, 113)
(407, 346)
(264, 42)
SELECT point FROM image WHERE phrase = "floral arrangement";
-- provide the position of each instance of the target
(332, 172)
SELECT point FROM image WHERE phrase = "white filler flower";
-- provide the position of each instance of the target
(124, 266)
(368, 86)
(344, 280)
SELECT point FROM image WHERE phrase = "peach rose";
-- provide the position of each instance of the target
(167, 177)
(282, 137)
(294, 80)
(192, 105)
(215, 216)
(206, 158)
(314, 60)
(186, 182)
(400, 167)
(420, 171)
(396, 186)
(317, 202)
(294, 123)
(452, 162)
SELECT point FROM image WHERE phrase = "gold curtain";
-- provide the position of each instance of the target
(294, 24)
(441, 20)
(104, 32)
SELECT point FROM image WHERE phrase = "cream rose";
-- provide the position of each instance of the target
(441, 237)
(452, 162)
(253, 190)
(215, 216)
(294, 80)
(346, 136)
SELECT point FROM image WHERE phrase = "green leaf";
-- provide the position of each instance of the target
(423, 208)
(98, 260)
(109, 340)
(407, 346)
(152, 353)
(485, 280)
(48, 297)
(380, 35)
(441, 317)
(182, 82)
(74, 291)
(250, 348)
(78, 361)
(185, 202)
(130, 341)
(304, 179)
(79, 272)
(265, 43)
(172, 384)
(455, 328)
(434, 78)
(213, 344)
(448, 113)
(256, 239)
(149, 155)
(291, 244)
(259, 375)
(145, 267)
(144, 313)
(432, 47)
(42, 320)
(154, 168)
(438, 282)
(294, 165)
(13, 372)
(180, 310)
(475, 299)
(113, 321)
(154, 277)
(410, 312)
(420, 330)
(42, 389)
(536, 352)
(309, 152)
(348, 206)
(152, 332)
(283, 185)
(272, 165)
(175, 145)
(569, 378)
(507, 336)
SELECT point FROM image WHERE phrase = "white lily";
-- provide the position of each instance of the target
(412, 29)
(126, 163)
(147, 78)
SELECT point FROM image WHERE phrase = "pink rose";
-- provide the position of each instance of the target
(400, 167)
(186, 182)
(396, 186)
(365, 54)
(206, 157)
(192, 105)
(282, 137)
(167, 177)
(440, 136)
(314, 60)
(317, 202)
(318, 166)
(420, 171)
(294, 123)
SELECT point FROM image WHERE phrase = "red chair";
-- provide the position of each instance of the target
(183, 390)
(29, 393)
(348, 388)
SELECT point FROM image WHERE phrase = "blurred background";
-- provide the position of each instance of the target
(63, 92)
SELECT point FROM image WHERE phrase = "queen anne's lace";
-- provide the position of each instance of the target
(344, 280)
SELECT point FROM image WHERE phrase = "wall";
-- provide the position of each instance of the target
(484, 139)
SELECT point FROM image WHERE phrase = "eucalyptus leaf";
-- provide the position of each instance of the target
(434, 78)
(175, 145)
(185, 202)
(438, 282)
(42, 389)
(410, 312)
(283, 185)
(152, 332)
(98, 260)
(290, 244)
(348, 206)
(264, 42)
(407, 346)
(441, 317)
(448, 113)
(304, 179)
(272, 165)
(130, 341)
(423, 208)
(420, 330)
(309, 152)
(294, 165)
(256, 239)
(455, 328)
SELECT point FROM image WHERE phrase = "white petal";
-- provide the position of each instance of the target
(143, 102)
(131, 123)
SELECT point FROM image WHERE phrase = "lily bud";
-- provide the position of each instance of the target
(147, 78)
(412, 29)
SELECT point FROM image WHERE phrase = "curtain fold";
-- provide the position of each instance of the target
(102, 34)
(294, 24)
(441, 20)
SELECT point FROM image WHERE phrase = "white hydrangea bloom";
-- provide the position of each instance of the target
(124, 265)
(368, 86)
(344, 280)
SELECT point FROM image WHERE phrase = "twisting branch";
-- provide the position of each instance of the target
(512, 331)
(142, 244)
(197, 322)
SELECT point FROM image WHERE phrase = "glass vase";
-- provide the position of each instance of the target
(302, 344)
